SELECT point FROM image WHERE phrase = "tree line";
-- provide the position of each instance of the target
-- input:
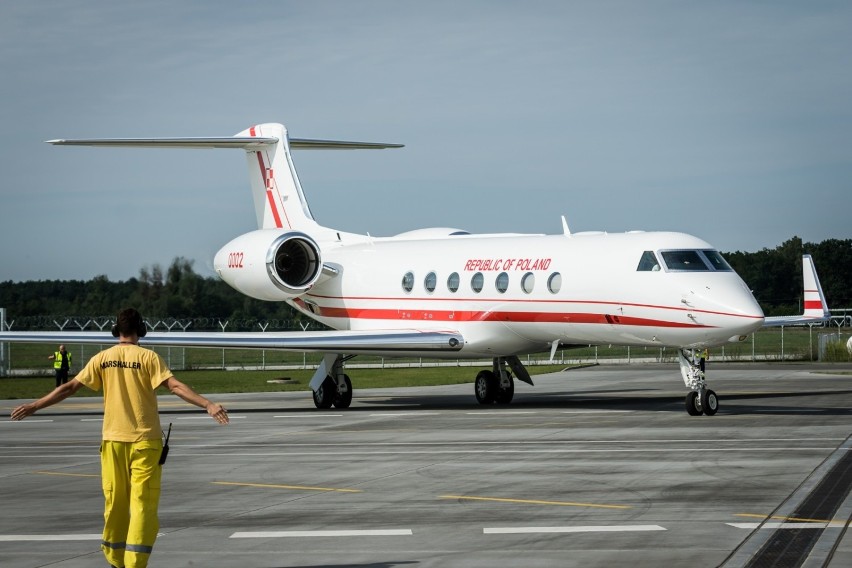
(774, 275)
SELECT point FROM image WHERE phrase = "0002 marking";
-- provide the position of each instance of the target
(235, 260)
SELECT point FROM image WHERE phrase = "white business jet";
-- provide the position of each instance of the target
(446, 293)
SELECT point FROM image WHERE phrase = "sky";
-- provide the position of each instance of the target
(728, 120)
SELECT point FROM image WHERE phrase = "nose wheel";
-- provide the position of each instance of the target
(700, 400)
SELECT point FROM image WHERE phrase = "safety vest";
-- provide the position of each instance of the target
(57, 359)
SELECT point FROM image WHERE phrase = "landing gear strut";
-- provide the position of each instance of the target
(498, 385)
(700, 399)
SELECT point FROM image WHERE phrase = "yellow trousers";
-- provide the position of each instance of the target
(130, 474)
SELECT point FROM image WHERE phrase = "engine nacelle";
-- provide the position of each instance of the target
(269, 264)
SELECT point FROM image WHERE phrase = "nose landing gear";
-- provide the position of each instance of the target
(700, 400)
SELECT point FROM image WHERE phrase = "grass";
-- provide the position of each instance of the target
(218, 381)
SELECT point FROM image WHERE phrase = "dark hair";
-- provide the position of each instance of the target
(129, 321)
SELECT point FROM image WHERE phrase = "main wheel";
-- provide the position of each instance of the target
(693, 403)
(324, 396)
(485, 387)
(343, 399)
(709, 402)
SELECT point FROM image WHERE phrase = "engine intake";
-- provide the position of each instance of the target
(293, 262)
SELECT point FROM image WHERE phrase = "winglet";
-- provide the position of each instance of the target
(815, 308)
(815, 304)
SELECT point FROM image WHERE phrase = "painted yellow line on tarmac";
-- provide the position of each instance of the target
(297, 487)
(536, 502)
(779, 518)
(67, 474)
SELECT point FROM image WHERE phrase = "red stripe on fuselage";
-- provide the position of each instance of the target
(505, 301)
(495, 316)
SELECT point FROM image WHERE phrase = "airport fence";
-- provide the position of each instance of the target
(794, 343)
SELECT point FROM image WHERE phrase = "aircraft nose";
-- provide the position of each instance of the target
(746, 312)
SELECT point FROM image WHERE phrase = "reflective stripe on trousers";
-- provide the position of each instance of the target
(130, 474)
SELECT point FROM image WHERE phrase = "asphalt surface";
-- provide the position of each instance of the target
(591, 467)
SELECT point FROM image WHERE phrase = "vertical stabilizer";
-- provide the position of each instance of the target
(279, 202)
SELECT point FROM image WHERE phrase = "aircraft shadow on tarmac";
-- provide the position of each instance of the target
(597, 400)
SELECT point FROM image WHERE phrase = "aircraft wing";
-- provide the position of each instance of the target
(816, 308)
(391, 342)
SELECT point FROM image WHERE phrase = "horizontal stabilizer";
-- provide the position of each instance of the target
(245, 142)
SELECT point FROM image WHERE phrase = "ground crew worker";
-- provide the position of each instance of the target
(132, 437)
(61, 364)
(702, 362)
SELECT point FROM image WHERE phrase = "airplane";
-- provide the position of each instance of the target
(446, 293)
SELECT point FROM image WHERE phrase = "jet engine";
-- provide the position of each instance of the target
(270, 264)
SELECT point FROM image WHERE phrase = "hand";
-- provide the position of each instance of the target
(218, 412)
(21, 412)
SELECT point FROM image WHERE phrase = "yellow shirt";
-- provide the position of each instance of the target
(129, 376)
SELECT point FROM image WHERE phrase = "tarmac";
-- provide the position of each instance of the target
(599, 466)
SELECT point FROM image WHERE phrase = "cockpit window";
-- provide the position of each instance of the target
(684, 260)
(716, 260)
(648, 262)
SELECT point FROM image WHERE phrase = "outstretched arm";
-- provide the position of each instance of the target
(186, 393)
(58, 394)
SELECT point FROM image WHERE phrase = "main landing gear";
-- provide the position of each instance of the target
(331, 386)
(700, 399)
(498, 385)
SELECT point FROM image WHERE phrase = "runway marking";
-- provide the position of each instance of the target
(582, 529)
(296, 487)
(499, 413)
(780, 518)
(536, 502)
(796, 411)
(326, 533)
(67, 474)
(24, 421)
(405, 414)
(307, 415)
(91, 420)
(205, 417)
(783, 525)
(597, 411)
(48, 537)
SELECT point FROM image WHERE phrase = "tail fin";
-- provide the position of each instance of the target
(816, 308)
(279, 202)
(278, 198)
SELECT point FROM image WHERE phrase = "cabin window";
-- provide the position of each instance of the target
(453, 282)
(554, 283)
(528, 282)
(408, 282)
(476, 282)
(648, 262)
(716, 260)
(684, 260)
(502, 282)
(430, 282)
